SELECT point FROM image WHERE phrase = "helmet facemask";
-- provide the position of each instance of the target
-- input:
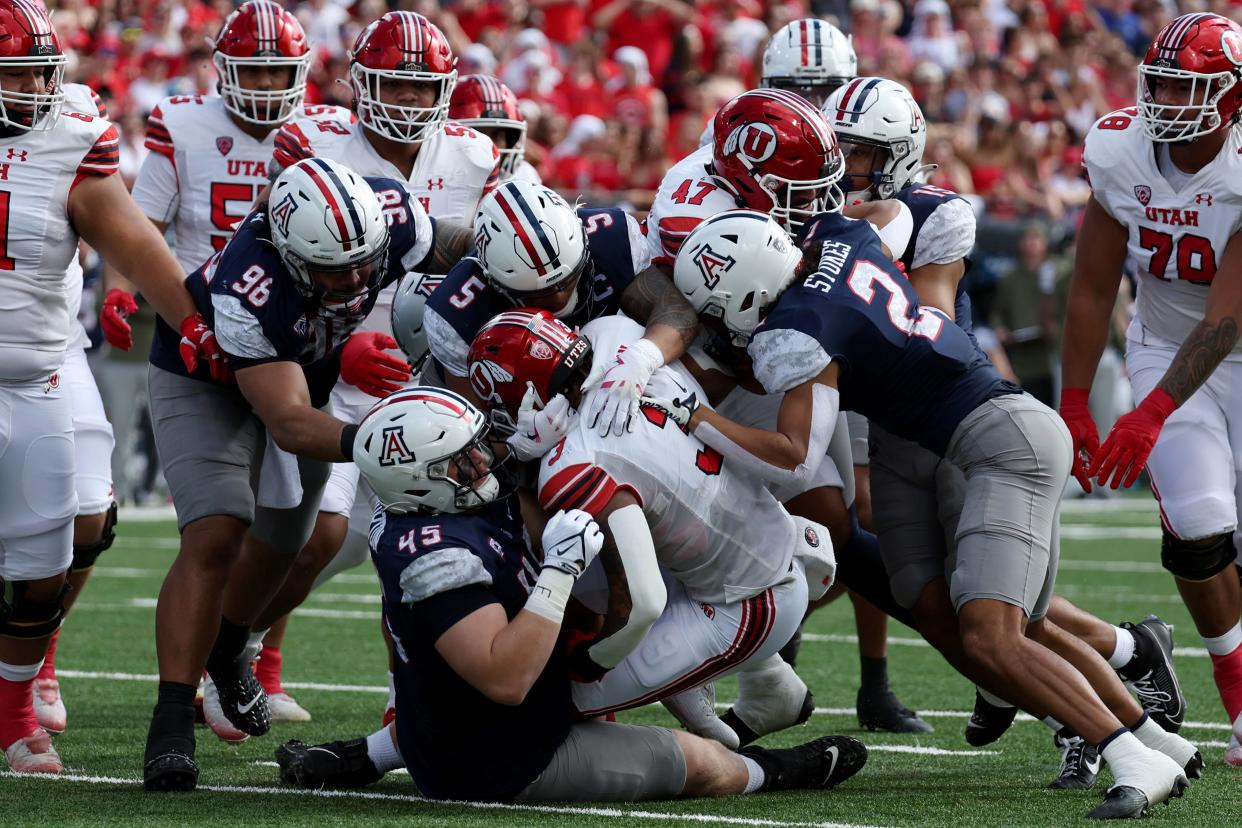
(329, 304)
(34, 111)
(795, 202)
(270, 107)
(1173, 123)
(405, 124)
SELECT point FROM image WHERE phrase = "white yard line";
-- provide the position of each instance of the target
(613, 813)
(1089, 532)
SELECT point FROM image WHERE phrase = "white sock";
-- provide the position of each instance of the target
(755, 776)
(1123, 751)
(1223, 645)
(1123, 650)
(1149, 733)
(392, 692)
(995, 701)
(1051, 723)
(18, 673)
(382, 752)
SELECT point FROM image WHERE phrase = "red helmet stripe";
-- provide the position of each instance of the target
(1175, 35)
(804, 38)
(523, 234)
(319, 172)
(36, 17)
(812, 116)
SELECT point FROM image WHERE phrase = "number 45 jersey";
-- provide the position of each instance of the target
(1177, 236)
(907, 368)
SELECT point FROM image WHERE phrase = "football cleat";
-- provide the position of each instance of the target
(820, 764)
(1173, 746)
(1233, 752)
(1080, 762)
(34, 753)
(880, 709)
(49, 707)
(213, 715)
(239, 698)
(1153, 678)
(696, 710)
(168, 764)
(170, 771)
(988, 722)
(771, 697)
(1139, 788)
(331, 765)
(284, 708)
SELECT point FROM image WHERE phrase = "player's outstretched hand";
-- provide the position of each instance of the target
(571, 540)
(615, 404)
(1125, 452)
(117, 305)
(539, 429)
(366, 365)
(678, 409)
(198, 341)
(1086, 436)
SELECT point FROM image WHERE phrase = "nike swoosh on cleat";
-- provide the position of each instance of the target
(835, 753)
(245, 708)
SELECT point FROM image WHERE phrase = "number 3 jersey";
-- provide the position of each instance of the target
(204, 172)
(720, 533)
(905, 367)
(1177, 236)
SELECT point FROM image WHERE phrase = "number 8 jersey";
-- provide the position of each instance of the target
(1177, 234)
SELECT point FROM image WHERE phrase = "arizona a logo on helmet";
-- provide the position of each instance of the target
(711, 264)
(395, 451)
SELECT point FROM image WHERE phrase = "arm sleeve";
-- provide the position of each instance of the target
(442, 570)
(896, 234)
(582, 486)
(240, 333)
(104, 157)
(947, 235)
(646, 586)
(156, 190)
(784, 359)
(438, 613)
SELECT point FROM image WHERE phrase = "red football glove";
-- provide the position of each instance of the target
(1086, 436)
(199, 341)
(1125, 451)
(365, 366)
(117, 305)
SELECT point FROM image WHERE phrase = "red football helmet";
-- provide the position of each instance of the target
(28, 39)
(482, 102)
(262, 34)
(1204, 50)
(401, 46)
(525, 346)
(779, 154)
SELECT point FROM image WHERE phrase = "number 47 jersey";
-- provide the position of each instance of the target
(1176, 235)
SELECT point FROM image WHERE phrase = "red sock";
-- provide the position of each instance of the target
(267, 670)
(1227, 671)
(17, 716)
(48, 671)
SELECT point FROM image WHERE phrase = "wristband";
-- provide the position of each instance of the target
(551, 594)
(348, 433)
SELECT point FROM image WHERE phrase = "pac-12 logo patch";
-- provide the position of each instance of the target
(1143, 193)
(395, 451)
(284, 211)
(812, 537)
(224, 143)
(755, 141)
(711, 264)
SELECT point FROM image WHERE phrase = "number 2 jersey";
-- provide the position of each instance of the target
(1176, 236)
(907, 368)
(722, 534)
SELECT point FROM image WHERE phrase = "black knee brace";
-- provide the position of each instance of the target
(84, 557)
(1198, 560)
(21, 617)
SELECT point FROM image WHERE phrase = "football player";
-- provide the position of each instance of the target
(851, 333)
(1164, 193)
(477, 621)
(60, 186)
(882, 134)
(487, 106)
(286, 293)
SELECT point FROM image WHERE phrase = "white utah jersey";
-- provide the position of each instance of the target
(688, 194)
(204, 172)
(39, 169)
(720, 533)
(1176, 237)
(79, 98)
(526, 172)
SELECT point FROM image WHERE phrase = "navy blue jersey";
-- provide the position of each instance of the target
(948, 237)
(905, 367)
(466, 301)
(258, 314)
(435, 571)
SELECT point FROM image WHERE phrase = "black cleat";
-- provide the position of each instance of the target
(1121, 802)
(1151, 674)
(880, 709)
(988, 722)
(1080, 762)
(168, 764)
(242, 698)
(170, 771)
(331, 765)
(820, 764)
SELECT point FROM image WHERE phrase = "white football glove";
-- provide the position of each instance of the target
(678, 409)
(615, 404)
(539, 429)
(571, 540)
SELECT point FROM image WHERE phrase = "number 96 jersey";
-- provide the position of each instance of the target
(1177, 236)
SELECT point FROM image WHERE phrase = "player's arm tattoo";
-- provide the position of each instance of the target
(451, 244)
(1203, 350)
(620, 604)
(652, 299)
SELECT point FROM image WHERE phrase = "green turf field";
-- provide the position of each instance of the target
(334, 665)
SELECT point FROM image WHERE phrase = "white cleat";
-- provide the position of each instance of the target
(49, 708)
(216, 720)
(284, 708)
(696, 710)
(34, 754)
(1233, 753)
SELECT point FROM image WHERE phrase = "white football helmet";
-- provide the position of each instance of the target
(421, 450)
(810, 57)
(408, 306)
(324, 217)
(530, 243)
(735, 266)
(879, 113)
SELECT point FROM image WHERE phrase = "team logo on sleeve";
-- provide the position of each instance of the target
(284, 211)
(1143, 193)
(755, 141)
(224, 143)
(395, 451)
(711, 264)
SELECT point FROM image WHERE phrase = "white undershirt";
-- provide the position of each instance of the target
(1173, 174)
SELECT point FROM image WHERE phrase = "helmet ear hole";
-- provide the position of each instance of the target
(748, 302)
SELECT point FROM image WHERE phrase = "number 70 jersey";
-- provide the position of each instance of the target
(1176, 237)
